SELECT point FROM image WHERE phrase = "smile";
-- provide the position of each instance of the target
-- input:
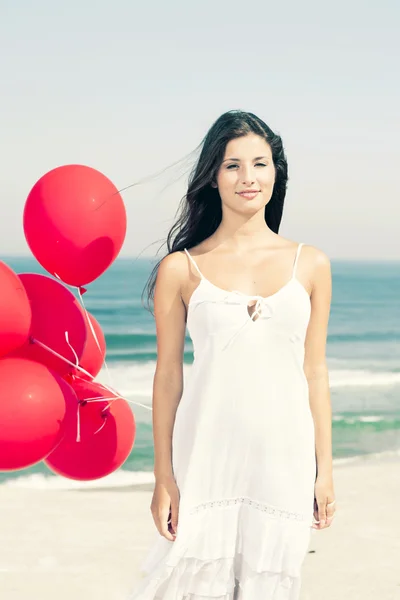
(249, 195)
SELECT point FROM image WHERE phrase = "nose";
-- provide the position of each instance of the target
(248, 177)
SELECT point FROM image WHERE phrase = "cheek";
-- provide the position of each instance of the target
(227, 179)
(267, 180)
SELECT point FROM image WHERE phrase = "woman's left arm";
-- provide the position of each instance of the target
(316, 371)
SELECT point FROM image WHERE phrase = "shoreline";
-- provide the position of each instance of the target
(24, 481)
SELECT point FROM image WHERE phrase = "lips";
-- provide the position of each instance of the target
(249, 194)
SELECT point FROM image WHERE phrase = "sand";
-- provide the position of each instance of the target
(79, 545)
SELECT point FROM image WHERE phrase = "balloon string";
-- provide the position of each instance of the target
(94, 335)
(76, 365)
(101, 426)
(45, 347)
(106, 387)
(102, 398)
(72, 349)
(115, 396)
(97, 398)
(78, 422)
(81, 291)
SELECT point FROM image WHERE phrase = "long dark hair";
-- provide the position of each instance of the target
(200, 212)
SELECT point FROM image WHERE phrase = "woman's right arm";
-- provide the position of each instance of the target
(170, 317)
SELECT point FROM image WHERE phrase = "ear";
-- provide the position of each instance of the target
(214, 184)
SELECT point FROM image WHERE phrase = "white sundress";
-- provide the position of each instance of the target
(243, 453)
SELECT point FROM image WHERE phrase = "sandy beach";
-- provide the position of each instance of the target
(85, 544)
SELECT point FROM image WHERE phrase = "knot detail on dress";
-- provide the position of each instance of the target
(262, 310)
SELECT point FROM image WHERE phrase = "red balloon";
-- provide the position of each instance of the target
(93, 356)
(75, 223)
(35, 406)
(106, 437)
(15, 311)
(55, 310)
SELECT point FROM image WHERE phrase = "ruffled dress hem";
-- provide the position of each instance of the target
(234, 551)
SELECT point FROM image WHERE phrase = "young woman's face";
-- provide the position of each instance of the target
(246, 176)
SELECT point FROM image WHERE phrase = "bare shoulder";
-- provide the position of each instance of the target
(316, 257)
(317, 264)
(171, 276)
(173, 265)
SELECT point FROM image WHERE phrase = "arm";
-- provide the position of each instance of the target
(316, 371)
(170, 316)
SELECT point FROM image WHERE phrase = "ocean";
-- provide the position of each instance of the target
(363, 354)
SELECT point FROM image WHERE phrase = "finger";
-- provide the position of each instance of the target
(170, 529)
(164, 529)
(316, 513)
(322, 511)
(315, 525)
(174, 516)
(316, 517)
(330, 509)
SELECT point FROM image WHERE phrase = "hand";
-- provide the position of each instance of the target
(324, 502)
(165, 507)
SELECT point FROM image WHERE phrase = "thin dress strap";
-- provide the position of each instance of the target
(296, 259)
(194, 264)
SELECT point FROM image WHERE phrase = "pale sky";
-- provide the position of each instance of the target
(130, 87)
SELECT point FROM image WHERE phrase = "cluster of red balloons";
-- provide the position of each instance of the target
(51, 348)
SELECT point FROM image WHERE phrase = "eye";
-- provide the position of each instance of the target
(234, 165)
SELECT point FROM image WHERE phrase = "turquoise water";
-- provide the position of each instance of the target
(363, 353)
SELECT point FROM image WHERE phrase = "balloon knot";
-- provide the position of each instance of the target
(83, 402)
(31, 339)
(82, 290)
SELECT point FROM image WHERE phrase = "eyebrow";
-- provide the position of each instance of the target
(238, 159)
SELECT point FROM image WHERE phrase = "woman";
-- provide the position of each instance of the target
(243, 459)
